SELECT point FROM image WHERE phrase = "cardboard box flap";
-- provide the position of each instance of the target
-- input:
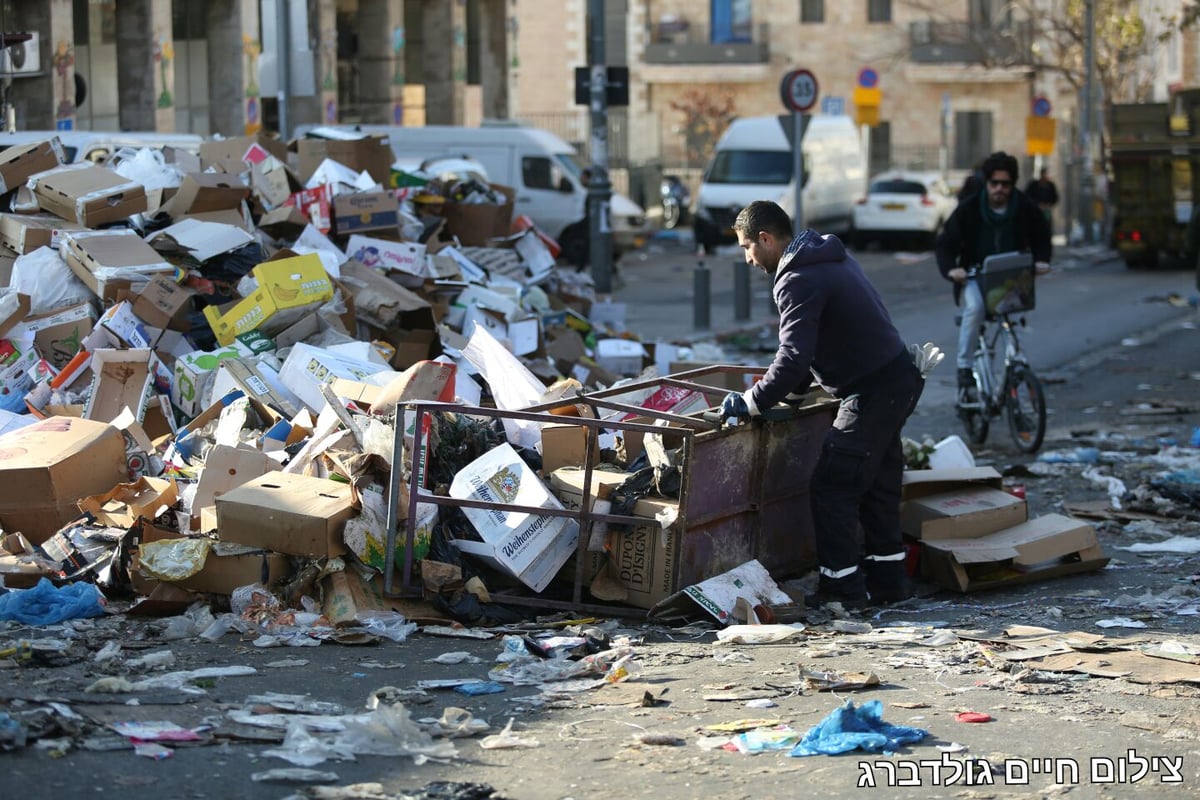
(127, 502)
(965, 513)
(115, 250)
(921, 482)
(384, 303)
(204, 240)
(1028, 544)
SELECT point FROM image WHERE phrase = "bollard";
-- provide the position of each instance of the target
(741, 291)
(701, 297)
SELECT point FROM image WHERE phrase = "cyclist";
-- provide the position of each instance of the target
(998, 219)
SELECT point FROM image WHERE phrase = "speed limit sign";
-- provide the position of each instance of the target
(799, 90)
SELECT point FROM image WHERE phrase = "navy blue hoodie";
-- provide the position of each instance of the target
(833, 326)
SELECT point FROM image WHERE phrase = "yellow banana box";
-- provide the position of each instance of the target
(293, 282)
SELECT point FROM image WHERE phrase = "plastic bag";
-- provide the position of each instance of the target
(388, 624)
(47, 604)
(147, 167)
(48, 281)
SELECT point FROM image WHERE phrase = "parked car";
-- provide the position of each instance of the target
(903, 205)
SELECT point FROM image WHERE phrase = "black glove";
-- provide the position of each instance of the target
(734, 405)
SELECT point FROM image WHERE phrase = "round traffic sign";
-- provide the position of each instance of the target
(799, 90)
(868, 78)
(1041, 107)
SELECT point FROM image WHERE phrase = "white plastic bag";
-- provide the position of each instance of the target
(48, 281)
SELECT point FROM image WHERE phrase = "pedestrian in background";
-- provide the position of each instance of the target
(834, 329)
(1042, 191)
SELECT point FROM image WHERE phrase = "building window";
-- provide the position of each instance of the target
(972, 138)
(731, 21)
(812, 10)
(879, 10)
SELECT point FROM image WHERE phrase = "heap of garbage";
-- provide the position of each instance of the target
(207, 356)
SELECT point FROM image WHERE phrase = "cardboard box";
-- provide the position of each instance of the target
(961, 514)
(59, 334)
(46, 467)
(19, 162)
(307, 367)
(236, 153)
(126, 503)
(204, 192)
(526, 545)
(226, 567)
(366, 211)
(202, 240)
(286, 513)
(382, 254)
(227, 468)
(17, 362)
(255, 380)
(565, 446)
(917, 483)
(1044, 547)
(475, 224)
(110, 261)
(88, 194)
(121, 322)
(370, 154)
(193, 375)
(163, 303)
(121, 379)
(24, 233)
(294, 282)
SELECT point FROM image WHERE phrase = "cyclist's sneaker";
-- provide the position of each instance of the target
(966, 378)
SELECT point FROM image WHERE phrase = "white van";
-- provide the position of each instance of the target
(543, 170)
(753, 161)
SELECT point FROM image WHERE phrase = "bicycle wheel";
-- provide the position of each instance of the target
(1025, 407)
(975, 417)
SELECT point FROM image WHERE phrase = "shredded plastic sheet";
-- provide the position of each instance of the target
(174, 559)
(47, 604)
(856, 728)
(758, 634)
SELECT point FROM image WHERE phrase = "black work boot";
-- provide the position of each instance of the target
(850, 591)
(887, 581)
(966, 378)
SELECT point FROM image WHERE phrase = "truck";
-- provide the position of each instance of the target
(1154, 156)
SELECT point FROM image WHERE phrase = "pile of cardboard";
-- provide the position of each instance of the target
(192, 356)
(973, 535)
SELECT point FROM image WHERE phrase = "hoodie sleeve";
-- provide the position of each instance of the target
(800, 302)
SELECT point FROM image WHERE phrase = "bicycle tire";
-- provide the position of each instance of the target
(977, 421)
(1025, 409)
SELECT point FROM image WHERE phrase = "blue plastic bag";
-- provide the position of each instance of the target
(849, 728)
(47, 604)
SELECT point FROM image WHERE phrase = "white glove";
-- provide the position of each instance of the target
(926, 357)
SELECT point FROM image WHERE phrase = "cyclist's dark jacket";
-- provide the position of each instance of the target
(957, 246)
(833, 325)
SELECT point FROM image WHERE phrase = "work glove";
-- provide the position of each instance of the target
(925, 357)
(734, 406)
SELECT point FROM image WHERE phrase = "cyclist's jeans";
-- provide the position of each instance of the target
(972, 317)
(857, 478)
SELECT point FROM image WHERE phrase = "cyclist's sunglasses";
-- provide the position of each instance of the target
(999, 184)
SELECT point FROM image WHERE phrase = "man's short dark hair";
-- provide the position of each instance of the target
(1000, 160)
(763, 215)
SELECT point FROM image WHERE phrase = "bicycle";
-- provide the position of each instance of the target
(1006, 281)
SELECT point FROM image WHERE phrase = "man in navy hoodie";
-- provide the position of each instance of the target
(835, 330)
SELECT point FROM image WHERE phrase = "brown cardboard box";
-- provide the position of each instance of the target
(923, 482)
(47, 466)
(89, 195)
(226, 154)
(475, 223)
(110, 262)
(370, 153)
(357, 212)
(1044, 547)
(223, 572)
(59, 334)
(227, 468)
(121, 379)
(163, 303)
(126, 503)
(566, 446)
(19, 162)
(286, 513)
(24, 233)
(205, 192)
(961, 514)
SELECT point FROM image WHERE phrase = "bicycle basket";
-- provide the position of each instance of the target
(1007, 283)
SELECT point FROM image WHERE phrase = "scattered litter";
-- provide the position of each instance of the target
(507, 740)
(660, 740)
(761, 702)
(1183, 545)
(47, 604)
(476, 688)
(972, 716)
(294, 775)
(1119, 622)
(457, 657)
(758, 634)
(836, 681)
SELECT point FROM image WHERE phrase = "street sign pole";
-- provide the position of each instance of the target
(798, 91)
(599, 189)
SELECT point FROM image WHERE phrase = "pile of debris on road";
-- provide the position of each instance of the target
(208, 358)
